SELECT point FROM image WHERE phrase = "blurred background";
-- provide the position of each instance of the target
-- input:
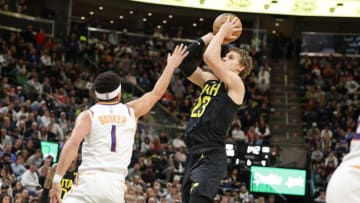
(300, 114)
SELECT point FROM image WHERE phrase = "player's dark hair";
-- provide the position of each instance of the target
(245, 60)
(106, 82)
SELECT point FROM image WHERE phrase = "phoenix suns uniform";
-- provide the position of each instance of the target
(106, 154)
(344, 184)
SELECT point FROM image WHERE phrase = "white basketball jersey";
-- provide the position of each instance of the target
(109, 145)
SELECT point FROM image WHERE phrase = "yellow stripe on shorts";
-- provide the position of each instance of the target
(194, 185)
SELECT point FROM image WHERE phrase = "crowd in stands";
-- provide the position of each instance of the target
(19, 6)
(331, 102)
(44, 85)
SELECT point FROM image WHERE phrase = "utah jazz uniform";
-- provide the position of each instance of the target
(210, 120)
(67, 182)
(106, 154)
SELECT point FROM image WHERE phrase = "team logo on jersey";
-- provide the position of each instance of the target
(210, 90)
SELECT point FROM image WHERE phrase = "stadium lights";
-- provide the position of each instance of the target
(164, 21)
(201, 19)
(149, 14)
(144, 19)
(131, 12)
(121, 17)
(194, 24)
(91, 13)
(82, 17)
(101, 8)
(111, 22)
(171, 16)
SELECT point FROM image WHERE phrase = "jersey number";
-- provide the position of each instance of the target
(200, 106)
(113, 138)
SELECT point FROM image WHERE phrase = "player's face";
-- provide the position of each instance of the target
(232, 60)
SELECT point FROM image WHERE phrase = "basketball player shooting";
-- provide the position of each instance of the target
(108, 130)
(222, 94)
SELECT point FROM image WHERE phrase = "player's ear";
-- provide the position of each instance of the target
(240, 68)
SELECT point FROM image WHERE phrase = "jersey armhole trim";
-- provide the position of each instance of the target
(131, 112)
(91, 113)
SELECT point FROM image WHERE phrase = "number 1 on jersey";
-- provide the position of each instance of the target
(113, 138)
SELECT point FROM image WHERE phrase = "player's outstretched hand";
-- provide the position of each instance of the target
(55, 193)
(179, 53)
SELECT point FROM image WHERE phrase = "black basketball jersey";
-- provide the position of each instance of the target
(67, 182)
(211, 117)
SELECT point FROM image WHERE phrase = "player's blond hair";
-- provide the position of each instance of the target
(245, 60)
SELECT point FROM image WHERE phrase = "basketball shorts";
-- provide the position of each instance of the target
(204, 171)
(97, 186)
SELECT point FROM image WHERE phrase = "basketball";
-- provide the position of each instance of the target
(221, 19)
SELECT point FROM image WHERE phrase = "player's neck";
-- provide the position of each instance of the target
(108, 102)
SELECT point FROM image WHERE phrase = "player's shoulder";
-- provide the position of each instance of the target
(86, 114)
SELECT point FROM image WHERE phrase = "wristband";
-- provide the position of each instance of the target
(57, 178)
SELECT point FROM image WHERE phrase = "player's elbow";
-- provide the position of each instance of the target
(207, 57)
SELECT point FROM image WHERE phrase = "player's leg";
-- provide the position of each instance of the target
(207, 176)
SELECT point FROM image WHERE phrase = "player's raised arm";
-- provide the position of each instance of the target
(144, 104)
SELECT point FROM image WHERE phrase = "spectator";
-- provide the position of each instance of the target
(178, 142)
(238, 135)
(263, 80)
(244, 195)
(113, 38)
(30, 179)
(317, 155)
(40, 38)
(35, 159)
(6, 198)
(321, 198)
(55, 130)
(18, 167)
(5, 138)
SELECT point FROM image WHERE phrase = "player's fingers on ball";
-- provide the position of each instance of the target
(228, 19)
(237, 29)
(236, 22)
(232, 38)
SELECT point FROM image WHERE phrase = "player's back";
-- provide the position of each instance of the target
(109, 145)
